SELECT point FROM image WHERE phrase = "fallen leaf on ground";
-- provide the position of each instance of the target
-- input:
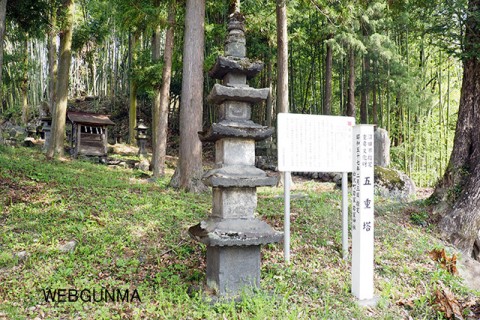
(406, 303)
(445, 302)
(447, 263)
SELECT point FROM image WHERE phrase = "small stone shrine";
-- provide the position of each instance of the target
(232, 233)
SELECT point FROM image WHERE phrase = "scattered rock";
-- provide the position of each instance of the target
(68, 247)
(22, 255)
(123, 149)
(469, 270)
(392, 183)
(144, 165)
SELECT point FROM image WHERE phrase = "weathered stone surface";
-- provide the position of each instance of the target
(235, 43)
(225, 65)
(393, 183)
(230, 203)
(234, 232)
(233, 269)
(235, 152)
(221, 93)
(144, 165)
(224, 130)
(381, 148)
(68, 247)
(235, 80)
(235, 111)
(238, 176)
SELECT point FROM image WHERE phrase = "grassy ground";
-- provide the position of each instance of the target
(132, 234)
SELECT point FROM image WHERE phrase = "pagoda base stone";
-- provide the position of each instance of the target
(233, 269)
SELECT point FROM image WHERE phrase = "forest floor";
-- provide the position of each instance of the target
(75, 224)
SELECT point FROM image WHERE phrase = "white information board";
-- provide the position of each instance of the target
(362, 212)
(313, 143)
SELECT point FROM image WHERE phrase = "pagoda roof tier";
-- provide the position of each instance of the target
(238, 176)
(236, 129)
(224, 65)
(235, 232)
(221, 93)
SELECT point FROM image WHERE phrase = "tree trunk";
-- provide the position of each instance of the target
(282, 57)
(374, 104)
(189, 171)
(327, 98)
(365, 89)
(269, 102)
(460, 186)
(3, 11)
(52, 62)
(351, 84)
(56, 146)
(132, 110)
(162, 97)
(24, 85)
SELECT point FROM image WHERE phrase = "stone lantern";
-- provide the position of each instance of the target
(46, 128)
(233, 234)
(141, 136)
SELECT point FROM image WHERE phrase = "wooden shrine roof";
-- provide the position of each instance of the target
(89, 118)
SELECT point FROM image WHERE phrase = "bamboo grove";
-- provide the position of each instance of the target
(395, 62)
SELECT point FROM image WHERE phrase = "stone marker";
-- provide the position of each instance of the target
(363, 215)
(232, 233)
(382, 147)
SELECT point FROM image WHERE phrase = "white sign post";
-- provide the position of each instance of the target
(313, 143)
(362, 213)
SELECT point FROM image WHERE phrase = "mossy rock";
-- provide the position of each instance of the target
(393, 183)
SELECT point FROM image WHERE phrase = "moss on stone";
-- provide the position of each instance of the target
(389, 177)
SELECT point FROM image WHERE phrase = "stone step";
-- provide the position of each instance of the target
(221, 93)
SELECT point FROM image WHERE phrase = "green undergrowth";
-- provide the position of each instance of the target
(132, 234)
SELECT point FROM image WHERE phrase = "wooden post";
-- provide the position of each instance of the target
(79, 139)
(105, 139)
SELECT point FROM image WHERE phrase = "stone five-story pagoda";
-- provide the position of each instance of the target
(232, 233)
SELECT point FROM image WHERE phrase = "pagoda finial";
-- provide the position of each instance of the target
(235, 42)
(234, 6)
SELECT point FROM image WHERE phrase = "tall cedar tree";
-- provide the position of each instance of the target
(162, 95)
(282, 57)
(189, 171)
(460, 222)
(56, 147)
(132, 111)
(3, 11)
